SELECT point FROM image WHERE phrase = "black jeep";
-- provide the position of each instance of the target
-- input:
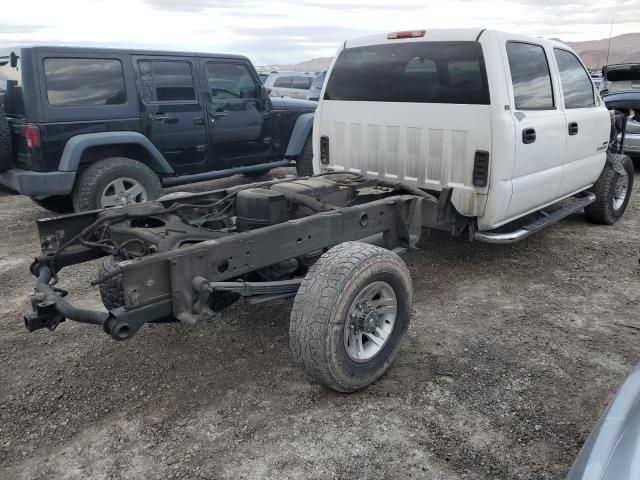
(82, 129)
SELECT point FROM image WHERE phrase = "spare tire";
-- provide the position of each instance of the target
(6, 150)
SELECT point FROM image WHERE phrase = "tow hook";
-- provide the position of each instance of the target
(44, 315)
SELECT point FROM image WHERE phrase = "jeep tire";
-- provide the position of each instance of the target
(350, 315)
(304, 161)
(6, 149)
(55, 203)
(126, 180)
(111, 290)
(613, 190)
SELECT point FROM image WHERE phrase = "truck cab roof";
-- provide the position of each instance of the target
(436, 35)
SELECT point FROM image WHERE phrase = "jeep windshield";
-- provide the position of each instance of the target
(11, 82)
(416, 72)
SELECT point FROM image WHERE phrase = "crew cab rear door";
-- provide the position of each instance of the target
(540, 138)
(588, 124)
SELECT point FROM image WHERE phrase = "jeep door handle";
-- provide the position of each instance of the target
(218, 114)
(158, 117)
(198, 121)
(573, 128)
(528, 135)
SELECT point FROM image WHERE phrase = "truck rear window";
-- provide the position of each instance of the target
(84, 82)
(415, 72)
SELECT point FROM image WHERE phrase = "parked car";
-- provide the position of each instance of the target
(621, 85)
(289, 84)
(88, 128)
(316, 87)
(458, 130)
(611, 451)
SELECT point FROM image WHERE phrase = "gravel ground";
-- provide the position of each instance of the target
(513, 353)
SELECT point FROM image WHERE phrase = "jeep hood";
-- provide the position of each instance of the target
(292, 104)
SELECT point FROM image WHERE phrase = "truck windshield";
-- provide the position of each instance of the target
(11, 83)
(416, 72)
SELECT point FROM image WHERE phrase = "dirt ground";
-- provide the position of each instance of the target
(513, 353)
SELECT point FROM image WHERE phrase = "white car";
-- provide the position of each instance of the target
(504, 124)
(289, 84)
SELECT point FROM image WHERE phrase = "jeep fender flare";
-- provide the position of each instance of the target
(299, 135)
(75, 147)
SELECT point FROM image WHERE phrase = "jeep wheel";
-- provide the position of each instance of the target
(613, 191)
(55, 203)
(6, 150)
(115, 182)
(350, 315)
(304, 162)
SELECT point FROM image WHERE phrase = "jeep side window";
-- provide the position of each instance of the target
(166, 81)
(73, 82)
(283, 82)
(229, 81)
(576, 84)
(530, 76)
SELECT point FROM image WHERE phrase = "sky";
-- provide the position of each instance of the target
(284, 32)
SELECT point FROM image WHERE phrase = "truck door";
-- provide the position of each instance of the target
(587, 124)
(238, 120)
(540, 139)
(172, 114)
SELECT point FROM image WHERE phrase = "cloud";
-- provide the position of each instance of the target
(295, 30)
(198, 5)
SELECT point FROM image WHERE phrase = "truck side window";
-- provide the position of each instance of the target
(166, 81)
(229, 81)
(530, 76)
(576, 83)
(75, 82)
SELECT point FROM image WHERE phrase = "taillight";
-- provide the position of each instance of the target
(406, 34)
(324, 150)
(481, 169)
(31, 135)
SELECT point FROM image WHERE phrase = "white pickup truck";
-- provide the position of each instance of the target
(463, 131)
(510, 123)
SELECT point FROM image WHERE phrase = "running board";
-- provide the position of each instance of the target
(573, 205)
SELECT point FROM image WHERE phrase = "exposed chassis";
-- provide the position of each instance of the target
(178, 283)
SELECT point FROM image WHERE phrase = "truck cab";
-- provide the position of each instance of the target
(508, 123)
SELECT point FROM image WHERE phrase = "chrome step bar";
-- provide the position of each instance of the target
(573, 204)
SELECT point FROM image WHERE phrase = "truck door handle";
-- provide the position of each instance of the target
(528, 135)
(573, 128)
(158, 117)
